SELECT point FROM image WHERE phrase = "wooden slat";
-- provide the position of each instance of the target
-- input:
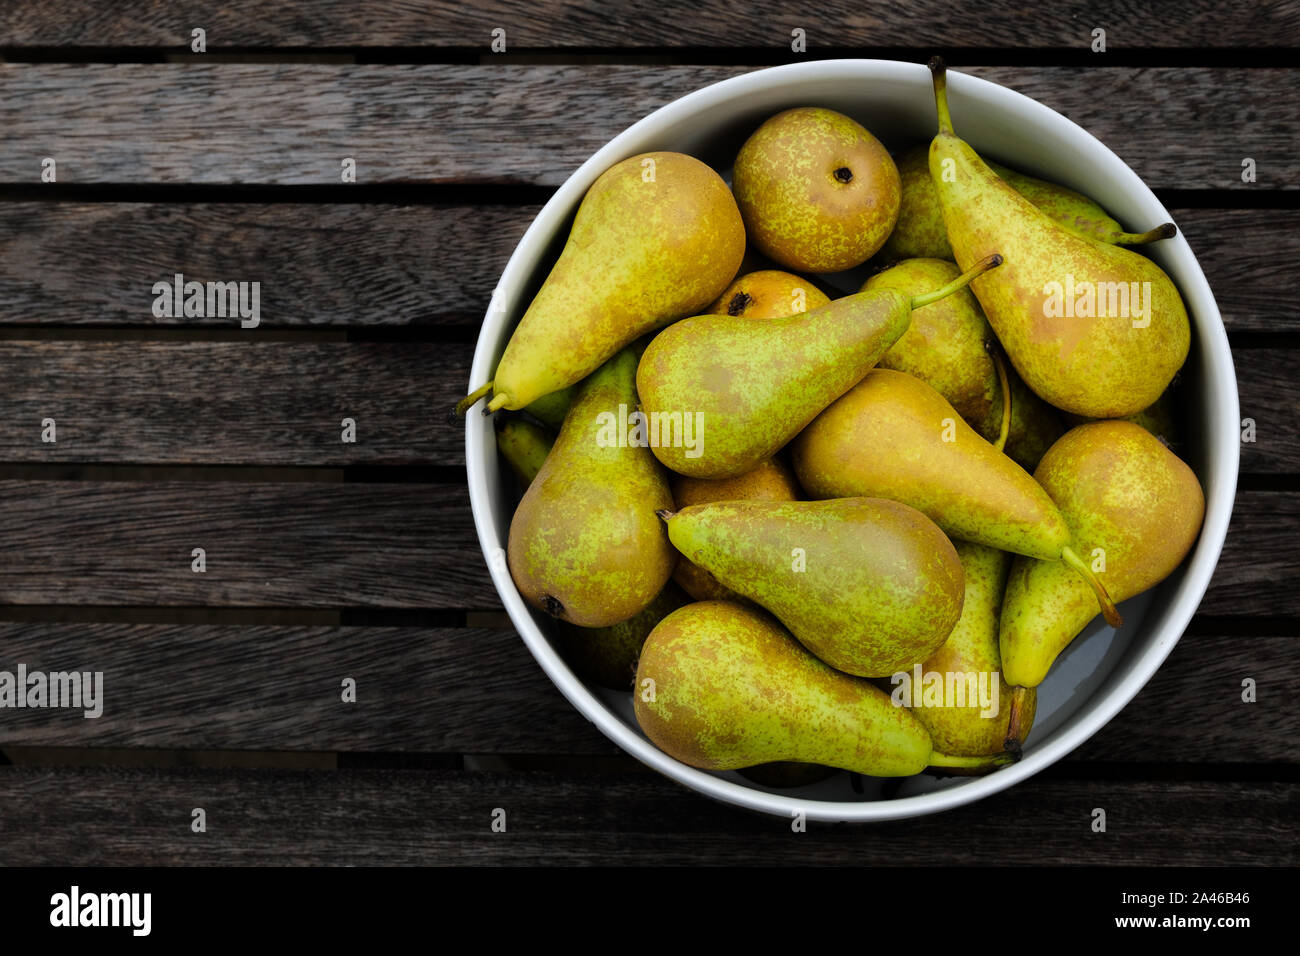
(240, 402)
(479, 691)
(282, 818)
(434, 690)
(293, 124)
(72, 263)
(1266, 383)
(327, 265)
(670, 23)
(316, 545)
(267, 545)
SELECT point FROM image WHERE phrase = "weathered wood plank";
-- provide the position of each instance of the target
(142, 817)
(315, 545)
(317, 264)
(294, 124)
(479, 691)
(1266, 384)
(670, 23)
(267, 545)
(243, 403)
(328, 265)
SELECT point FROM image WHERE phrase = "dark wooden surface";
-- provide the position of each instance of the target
(328, 560)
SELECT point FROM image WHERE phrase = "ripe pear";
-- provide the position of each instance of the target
(1135, 510)
(947, 344)
(817, 191)
(607, 655)
(657, 237)
(1161, 420)
(1092, 328)
(893, 436)
(740, 390)
(551, 409)
(869, 586)
(768, 294)
(769, 480)
(971, 655)
(921, 234)
(951, 347)
(585, 544)
(524, 446)
(722, 687)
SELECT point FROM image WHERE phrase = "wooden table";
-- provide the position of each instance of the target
(327, 560)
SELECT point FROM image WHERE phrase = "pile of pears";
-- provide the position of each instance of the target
(760, 505)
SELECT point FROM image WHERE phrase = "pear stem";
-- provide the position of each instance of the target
(988, 761)
(1165, 231)
(1005, 383)
(1015, 716)
(665, 514)
(963, 280)
(464, 404)
(939, 70)
(497, 402)
(1108, 610)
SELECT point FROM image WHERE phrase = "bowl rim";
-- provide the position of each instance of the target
(1196, 571)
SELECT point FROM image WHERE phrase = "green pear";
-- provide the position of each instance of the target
(1161, 420)
(893, 436)
(721, 687)
(951, 347)
(921, 234)
(817, 191)
(607, 655)
(657, 237)
(869, 586)
(551, 409)
(1135, 510)
(723, 393)
(769, 480)
(970, 660)
(1092, 328)
(524, 446)
(585, 543)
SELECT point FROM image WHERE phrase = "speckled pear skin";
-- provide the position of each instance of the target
(921, 232)
(585, 543)
(972, 647)
(768, 294)
(885, 439)
(733, 689)
(769, 480)
(640, 254)
(797, 211)
(524, 446)
(551, 409)
(947, 343)
(1161, 420)
(881, 586)
(1035, 425)
(607, 655)
(1099, 367)
(1121, 490)
(758, 383)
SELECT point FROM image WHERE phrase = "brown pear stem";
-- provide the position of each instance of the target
(1108, 610)
(1005, 429)
(665, 514)
(465, 403)
(1166, 231)
(1015, 717)
(986, 762)
(963, 280)
(939, 72)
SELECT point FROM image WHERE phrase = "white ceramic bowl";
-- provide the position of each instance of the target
(1102, 670)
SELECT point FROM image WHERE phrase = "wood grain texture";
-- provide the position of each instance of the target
(268, 545)
(315, 545)
(667, 23)
(364, 265)
(72, 263)
(81, 817)
(294, 123)
(243, 403)
(433, 690)
(479, 691)
(1266, 384)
